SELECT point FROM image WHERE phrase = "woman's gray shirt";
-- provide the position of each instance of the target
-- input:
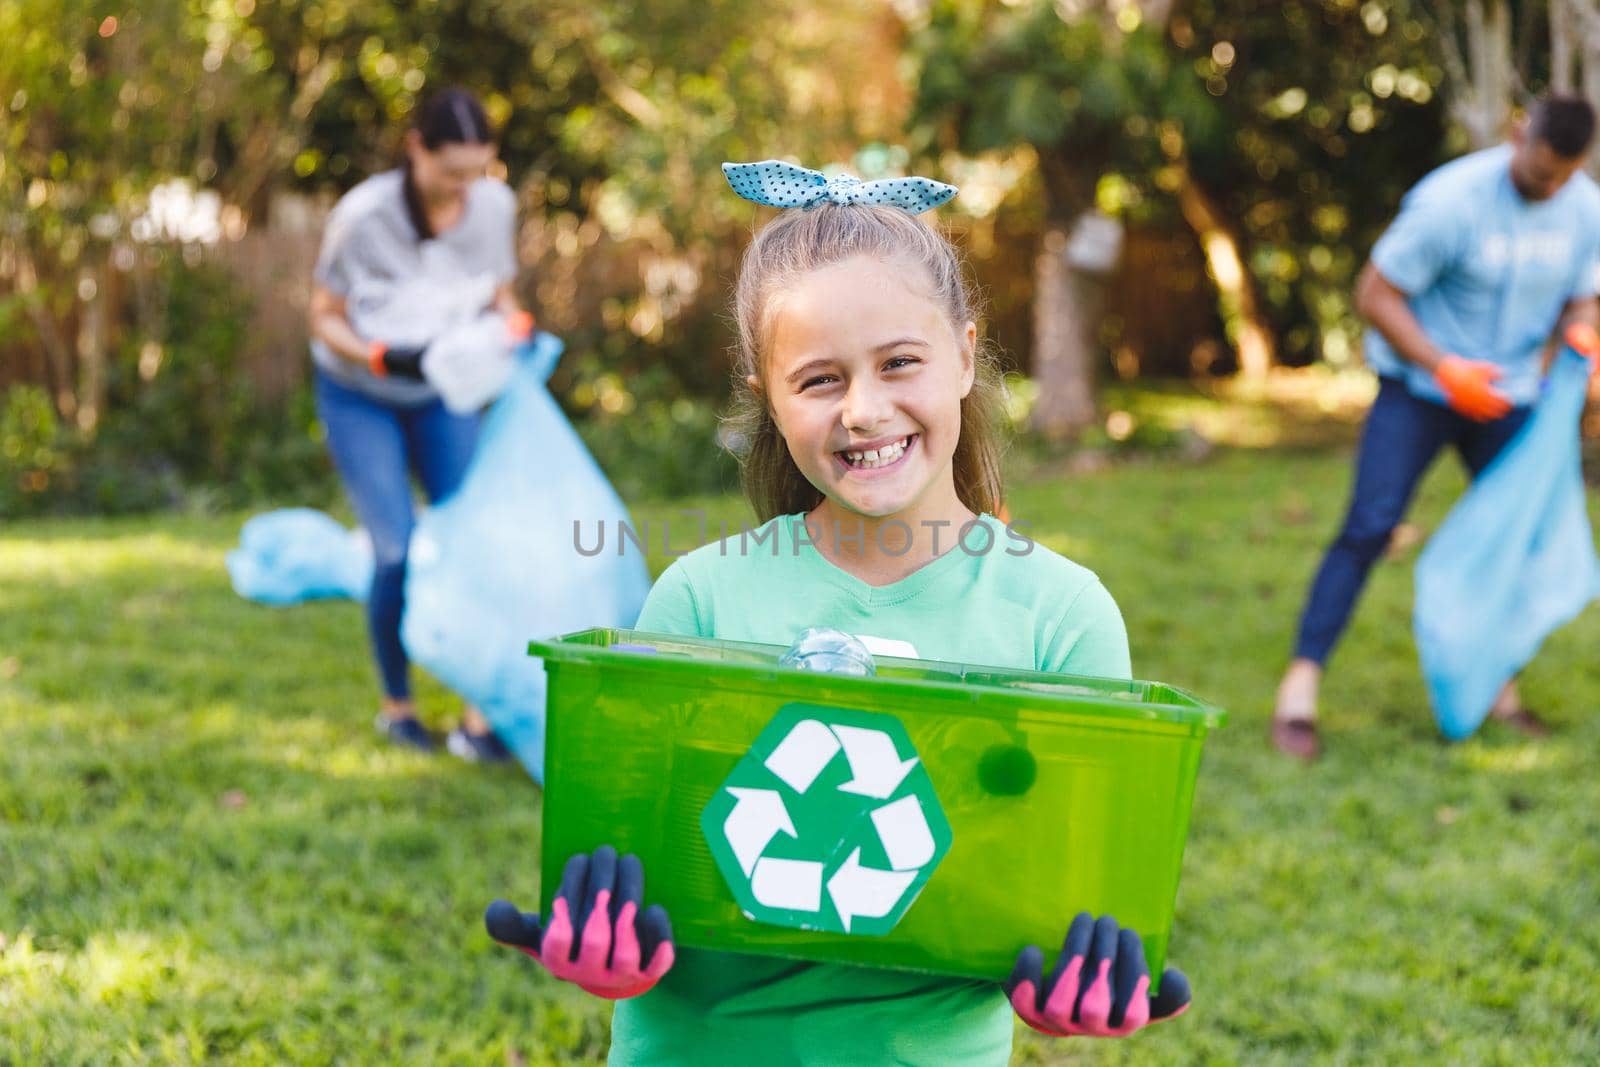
(401, 290)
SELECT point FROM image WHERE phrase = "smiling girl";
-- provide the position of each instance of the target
(869, 412)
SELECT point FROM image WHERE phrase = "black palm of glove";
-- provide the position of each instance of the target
(403, 361)
(1099, 987)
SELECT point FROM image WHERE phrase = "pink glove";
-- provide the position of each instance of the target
(618, 952)
(1100, 986)
(1468, 386)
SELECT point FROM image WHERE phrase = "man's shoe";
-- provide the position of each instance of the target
(1296, 738)
(477, 748)
(1525, 723)
(407, 733)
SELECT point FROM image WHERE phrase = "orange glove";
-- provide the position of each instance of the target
(1467, 386)
(1585, 340)
(519, 326)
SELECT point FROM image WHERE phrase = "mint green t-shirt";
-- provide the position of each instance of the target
(1016, 605)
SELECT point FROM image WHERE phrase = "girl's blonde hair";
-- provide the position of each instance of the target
(798, 242)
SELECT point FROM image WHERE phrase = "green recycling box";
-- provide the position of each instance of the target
(935, 817)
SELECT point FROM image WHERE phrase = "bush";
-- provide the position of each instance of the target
(652, 439)
(199, 414)
(662, 449)
(47, 468)
(32, 450)
(183, 422)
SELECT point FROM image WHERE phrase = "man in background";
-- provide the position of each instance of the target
(1489, 256)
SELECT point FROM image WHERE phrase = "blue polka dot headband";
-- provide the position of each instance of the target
(779, 184)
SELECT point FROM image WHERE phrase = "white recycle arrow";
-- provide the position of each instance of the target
(875, 766)
(802, 754)
(903, 829)
(758, 816)
(795, 885)
(866, 892)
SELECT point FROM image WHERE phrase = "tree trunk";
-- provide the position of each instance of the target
(1067, 304)
(1482, 81)
(94, 329)
(1561, 51)
(1584, 20)
(1575, 42)
(58, 357)
(1078, 252)
(1237, 297)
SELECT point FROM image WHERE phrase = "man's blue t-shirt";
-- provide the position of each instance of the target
(1488, 272)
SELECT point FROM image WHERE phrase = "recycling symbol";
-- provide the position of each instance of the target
(829, 822)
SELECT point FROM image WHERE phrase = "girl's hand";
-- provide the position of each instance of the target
(1100, 985)
(596, 936)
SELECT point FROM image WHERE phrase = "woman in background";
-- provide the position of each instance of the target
(406, 252)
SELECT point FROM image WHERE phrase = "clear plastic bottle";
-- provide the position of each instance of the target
(829, 651)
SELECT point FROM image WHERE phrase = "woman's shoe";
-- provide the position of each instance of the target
(477, 748)
(407, 733)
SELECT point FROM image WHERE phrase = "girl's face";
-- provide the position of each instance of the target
(865, 376)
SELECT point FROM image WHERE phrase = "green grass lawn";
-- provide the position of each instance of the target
(208, 855)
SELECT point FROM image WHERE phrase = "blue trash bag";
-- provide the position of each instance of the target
(298, 554)
(495, 565)
(1514, 560)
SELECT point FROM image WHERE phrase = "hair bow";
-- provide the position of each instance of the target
(779, 184)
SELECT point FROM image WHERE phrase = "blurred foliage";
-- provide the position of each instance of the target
(1087, 95)
(614, 121)
(185, 406)
(184, 425)
(653, 441)
(1301, 121)
(30, 447)
(1331, 111)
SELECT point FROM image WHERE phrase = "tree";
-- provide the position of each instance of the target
(614, 117)
(1085, 93)
(1499, 54)
(92, 106)
(1328, 112)
(163, 91)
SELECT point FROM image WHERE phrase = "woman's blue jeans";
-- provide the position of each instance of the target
(376, 448)
(1402, 438)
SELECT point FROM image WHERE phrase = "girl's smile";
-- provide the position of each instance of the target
(874, 458)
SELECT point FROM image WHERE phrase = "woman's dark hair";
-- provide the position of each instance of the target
(451, 116)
